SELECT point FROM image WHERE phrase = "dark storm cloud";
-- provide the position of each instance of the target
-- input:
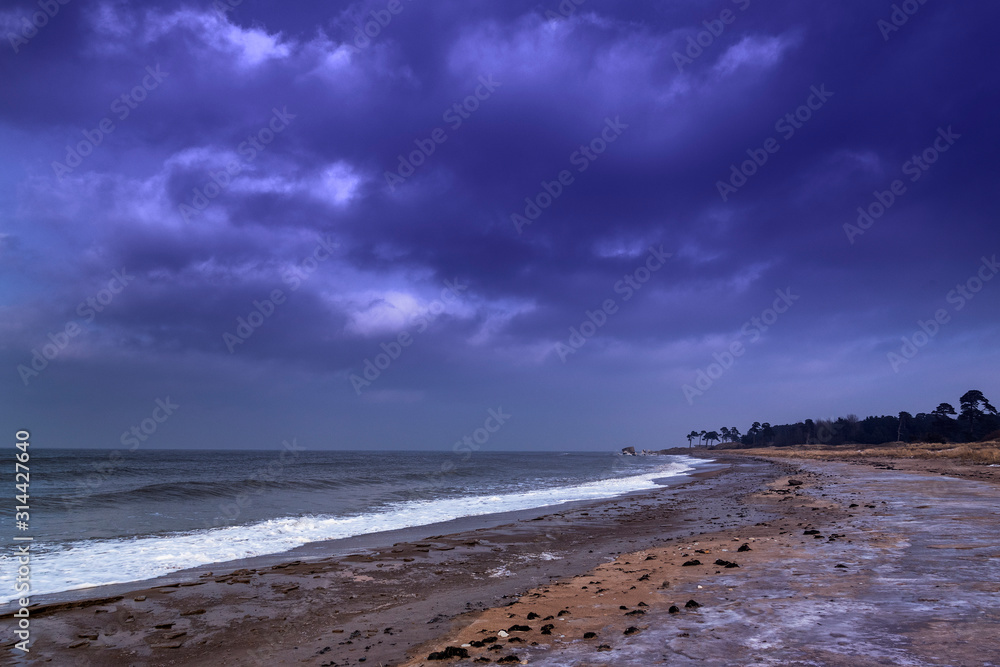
(234, 143)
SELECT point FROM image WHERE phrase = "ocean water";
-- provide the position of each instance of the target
(100, 518)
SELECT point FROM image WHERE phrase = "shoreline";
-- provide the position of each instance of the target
(340, 547)
(396, 605)
(293, 603)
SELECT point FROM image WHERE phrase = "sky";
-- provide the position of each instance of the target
(367, 225)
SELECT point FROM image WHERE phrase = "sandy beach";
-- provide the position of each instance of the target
(764, 561)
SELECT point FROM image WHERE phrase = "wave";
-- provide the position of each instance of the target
(180, 491)
(194, 490)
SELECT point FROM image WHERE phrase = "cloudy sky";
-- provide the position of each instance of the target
(365, 224)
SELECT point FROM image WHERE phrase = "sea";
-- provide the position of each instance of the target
(100, 517)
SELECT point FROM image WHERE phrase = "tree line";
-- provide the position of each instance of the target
(975, 420)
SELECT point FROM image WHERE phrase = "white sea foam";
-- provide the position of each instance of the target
(89, 563)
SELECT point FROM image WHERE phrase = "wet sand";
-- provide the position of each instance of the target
(858, 565)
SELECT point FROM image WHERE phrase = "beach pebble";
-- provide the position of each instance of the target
(691, 604)
(674, 609)
(503, 633)
(691, 562)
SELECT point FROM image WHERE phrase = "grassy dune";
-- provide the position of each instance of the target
(973, 452)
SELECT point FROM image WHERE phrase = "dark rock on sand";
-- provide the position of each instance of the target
(449, 653)
(674, 609)
(519, 628)
(794, 482)
(589, 635)
(547, 629)
(744, 547)
(726, 563)
(691, 562)
(691, 604)
(631, 630)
